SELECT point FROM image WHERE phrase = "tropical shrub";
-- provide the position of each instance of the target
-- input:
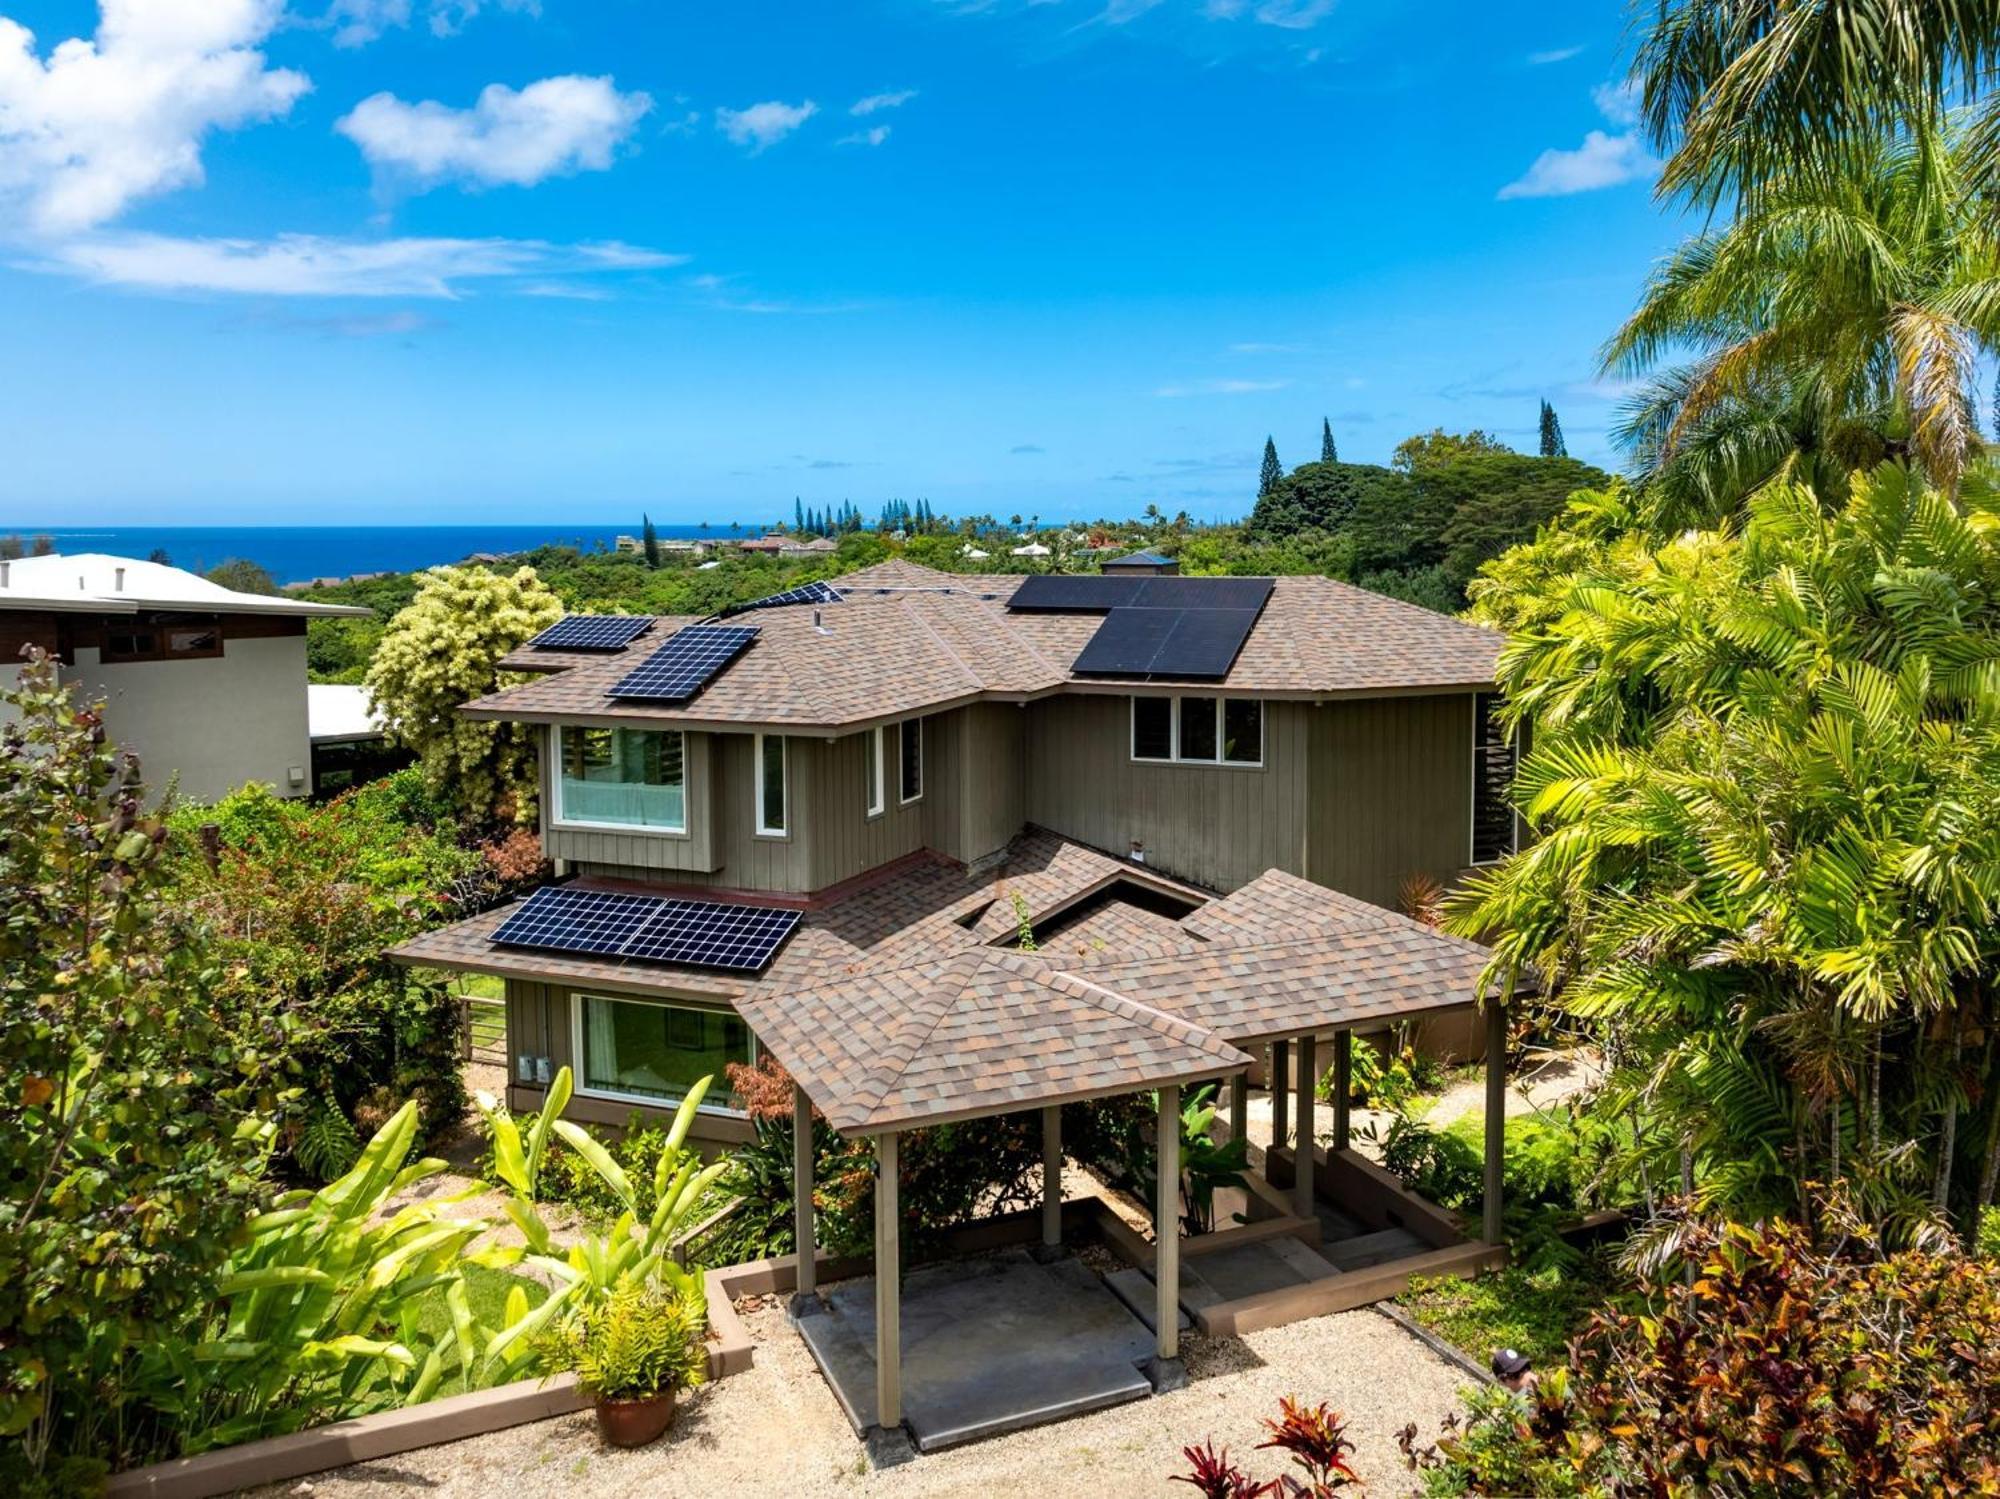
(298, 906)
(640, 1340)
(133, 1123)
(1316, 1438)
(318, 1315)
(634, 1250)
(1779, 1362)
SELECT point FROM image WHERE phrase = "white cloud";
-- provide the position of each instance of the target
(874, 102)
(1294, 15)
(1554, 54)
(106, 122)
(567, 124)
(872, 137)
(1617, 102)
(762, 126)
(355, 23)
(1601, 161)
(306, 265)
(1219, 388)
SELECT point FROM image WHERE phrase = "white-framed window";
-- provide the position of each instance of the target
(772, 786)
(1495, 756)
(640, 1051)
(628, 779)
(1198, 729)
(910, 774)
(875, 755)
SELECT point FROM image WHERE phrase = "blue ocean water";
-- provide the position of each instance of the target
(294, 553)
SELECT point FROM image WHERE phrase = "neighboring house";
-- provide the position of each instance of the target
(864, 789)
(1140, 564)
(819, 546)
(207, 684)
(349, 744)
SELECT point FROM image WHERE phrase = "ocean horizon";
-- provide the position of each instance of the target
(294, 554)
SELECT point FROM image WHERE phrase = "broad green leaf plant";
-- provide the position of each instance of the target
(318, 1315)
(633, 1251)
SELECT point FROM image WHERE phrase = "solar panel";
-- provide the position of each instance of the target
(805, 593)
(1081, 591)
(1204, 643)
(688, 662)
(592, 632)
(653, 928)
(566, 919)
(1148, 642)
(1201, 593)
(710, 934)
(1126, 643)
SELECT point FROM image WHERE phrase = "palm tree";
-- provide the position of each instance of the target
(1864, 297)
(1766, 787)
(1742, 92)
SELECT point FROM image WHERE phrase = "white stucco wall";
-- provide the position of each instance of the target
(218, 721)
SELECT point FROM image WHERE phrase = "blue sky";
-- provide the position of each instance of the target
(431, 261)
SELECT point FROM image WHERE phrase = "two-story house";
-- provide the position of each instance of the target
(869, 779)
(208, 685)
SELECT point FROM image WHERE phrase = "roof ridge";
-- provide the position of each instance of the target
(904, 1044)
(1198, 1035)
(972, 674)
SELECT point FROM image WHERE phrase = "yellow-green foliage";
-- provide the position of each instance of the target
(444, 650)
(641, 1340)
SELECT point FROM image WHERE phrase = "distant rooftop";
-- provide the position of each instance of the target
(97, 583)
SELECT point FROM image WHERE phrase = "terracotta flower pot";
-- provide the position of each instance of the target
(634, 1423)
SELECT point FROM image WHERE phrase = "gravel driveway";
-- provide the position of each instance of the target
(777, 1430)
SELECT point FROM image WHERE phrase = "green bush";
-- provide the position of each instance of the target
(138, 1083)
(298, 909)
(639, 1341)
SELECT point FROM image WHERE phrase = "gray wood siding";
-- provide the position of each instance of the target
(1391, 793)
(846, 841)
(747, 859)
(691, 854)
(1219, 826)
(992, 779)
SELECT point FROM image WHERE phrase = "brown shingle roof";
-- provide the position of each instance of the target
(908, 639)
(900, 1003)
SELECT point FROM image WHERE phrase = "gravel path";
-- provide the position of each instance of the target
(776, 1429)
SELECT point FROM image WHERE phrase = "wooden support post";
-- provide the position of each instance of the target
(803, 1234)
(1052, 1164)
(888, 1289)
(1281, 1062)
(1167, 1227)
(1343, 1084)
(1496, 1116)
(1302, 1158)
(1239, 1106)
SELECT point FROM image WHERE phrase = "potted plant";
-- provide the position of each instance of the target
(632, 1351)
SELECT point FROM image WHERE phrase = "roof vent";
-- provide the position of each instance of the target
(819, 626)
(4, 566)
(118, 579)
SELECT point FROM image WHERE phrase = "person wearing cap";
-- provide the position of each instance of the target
(1511, 1368)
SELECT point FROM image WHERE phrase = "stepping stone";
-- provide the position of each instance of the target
(1373, 1249)
(1136, 1289)
(1306, 1263)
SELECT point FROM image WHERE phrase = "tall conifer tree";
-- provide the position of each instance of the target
(1272, 472)
(1327, 454)
(1552, 434)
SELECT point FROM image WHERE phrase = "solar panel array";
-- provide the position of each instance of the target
(1088, 593)
(1153, 626)
(688, 661)
(652, 928)
(592, 632)
(805, 593)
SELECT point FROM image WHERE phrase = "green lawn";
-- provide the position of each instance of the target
(1535, 1311)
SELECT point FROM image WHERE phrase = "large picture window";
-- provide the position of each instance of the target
(622, 778)
(1198, 730)
(771, 787)
(654, 1053)
(1493, 760)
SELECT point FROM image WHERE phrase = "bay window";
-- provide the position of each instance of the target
(622, 778)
